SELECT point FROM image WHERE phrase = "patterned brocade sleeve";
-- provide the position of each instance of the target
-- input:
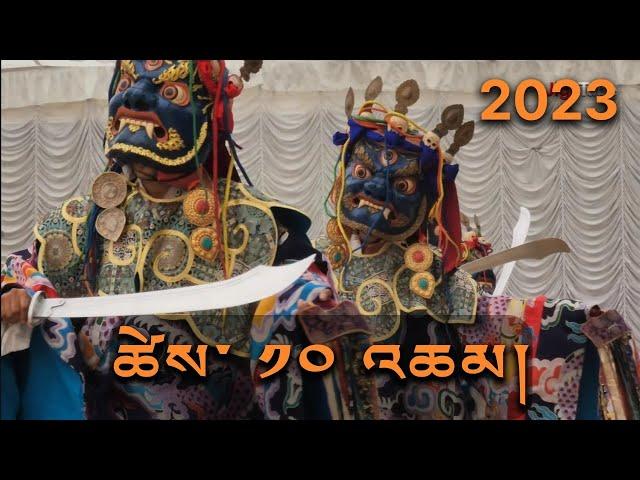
(20, 271)
(307, 315)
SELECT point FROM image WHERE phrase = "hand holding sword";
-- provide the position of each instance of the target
(20, 312)
(15, 306)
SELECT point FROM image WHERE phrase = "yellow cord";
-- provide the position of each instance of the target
(436, 210)
(342, 175)
(391, 113)
(225, 206)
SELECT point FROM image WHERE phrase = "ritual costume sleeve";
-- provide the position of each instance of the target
(307, 315)
(563, 366)
(39, 383)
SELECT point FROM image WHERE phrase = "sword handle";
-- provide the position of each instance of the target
(35, 300)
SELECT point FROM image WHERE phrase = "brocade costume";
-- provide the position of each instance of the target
(169, 115)
(395, 188)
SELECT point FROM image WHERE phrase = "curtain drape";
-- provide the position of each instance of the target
(580, 180)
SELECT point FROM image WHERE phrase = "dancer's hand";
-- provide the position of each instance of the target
(15, 306)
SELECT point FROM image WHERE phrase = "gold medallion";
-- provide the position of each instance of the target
(418, 257)
(198, 207)
(423, 284)
(110, 223)
(204, 243)
(337, 255)
(109, 190)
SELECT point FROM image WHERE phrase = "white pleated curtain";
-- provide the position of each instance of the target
(580, 180)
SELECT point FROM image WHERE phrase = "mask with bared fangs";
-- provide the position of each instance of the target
(383, 191)
(152, 119)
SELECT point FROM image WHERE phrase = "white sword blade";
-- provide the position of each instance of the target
(256, 284)
(536, 249)
(519, 236)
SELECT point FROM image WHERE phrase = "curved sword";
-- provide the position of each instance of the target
(256, 284)
(519, 236)
(536, 249)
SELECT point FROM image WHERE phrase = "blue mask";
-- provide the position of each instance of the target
(383, 190)
(151, 119)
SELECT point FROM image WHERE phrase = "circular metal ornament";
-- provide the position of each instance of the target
(109, 190)
(198, 207)
(423, 284)
(58, 251)
(337, 255)
(110, 223)
(418, 257)
(204, 243)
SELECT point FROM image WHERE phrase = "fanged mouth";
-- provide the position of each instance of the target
(149, 121)
(362, 200)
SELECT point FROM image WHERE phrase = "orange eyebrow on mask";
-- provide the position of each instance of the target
(362, 155)
(412, 169)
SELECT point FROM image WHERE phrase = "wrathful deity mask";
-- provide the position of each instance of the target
(163, 113)
(151, 116)
(393, 178)
(383, 191)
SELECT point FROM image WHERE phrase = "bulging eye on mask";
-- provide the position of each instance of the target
(151, 116)
(384, 191)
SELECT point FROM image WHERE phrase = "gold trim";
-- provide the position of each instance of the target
(375, 300)
(108, 132)
(143, 152)
(340, 276)
(74, 239)
(174, 142)
(135, 250)
(260, 205)
(166, 278)
(249, 201)
(128, 67)
(134, 191)
(378, 303)
(245, 239)
(69, 218)
(425, 308)
(392, 287)
(174, 73)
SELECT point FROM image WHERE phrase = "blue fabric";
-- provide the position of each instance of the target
(9, 393)
(52, 389)
(450, 172)
(588, 408)
(340, 138)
